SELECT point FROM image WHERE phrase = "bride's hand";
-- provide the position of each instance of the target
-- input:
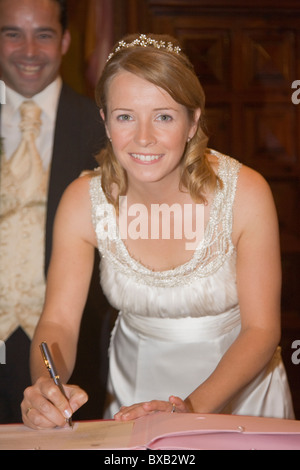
(175, 404)
(44, 406)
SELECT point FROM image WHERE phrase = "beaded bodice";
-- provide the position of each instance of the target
(188, 289)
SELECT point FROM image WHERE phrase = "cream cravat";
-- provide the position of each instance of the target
(25, 164)
(23, 196)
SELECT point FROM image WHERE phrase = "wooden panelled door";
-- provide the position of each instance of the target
(247, 56)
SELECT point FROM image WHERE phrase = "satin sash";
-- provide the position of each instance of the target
(184, 329)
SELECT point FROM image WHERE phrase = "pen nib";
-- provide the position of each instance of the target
(70, 422)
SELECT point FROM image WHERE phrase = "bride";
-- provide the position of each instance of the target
(198, 329)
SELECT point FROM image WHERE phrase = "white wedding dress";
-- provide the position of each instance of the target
(174, 326)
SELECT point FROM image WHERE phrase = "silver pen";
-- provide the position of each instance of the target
(49, 363)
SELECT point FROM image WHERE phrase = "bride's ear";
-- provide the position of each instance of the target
(104, 120)
(102, 114)
(194, 126)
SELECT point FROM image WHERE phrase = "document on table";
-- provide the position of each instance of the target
(160, 431)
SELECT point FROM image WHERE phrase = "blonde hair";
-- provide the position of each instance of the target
(172, 71)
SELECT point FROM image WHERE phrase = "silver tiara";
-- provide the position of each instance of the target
(144, 41)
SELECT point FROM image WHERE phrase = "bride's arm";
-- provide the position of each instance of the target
(67, 286)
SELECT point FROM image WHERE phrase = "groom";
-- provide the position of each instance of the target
(33, 40)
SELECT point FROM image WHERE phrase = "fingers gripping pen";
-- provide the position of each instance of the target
(49, 363)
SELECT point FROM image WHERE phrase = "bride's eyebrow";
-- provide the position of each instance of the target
(165, 108)
(155, 109)
(121, 109)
